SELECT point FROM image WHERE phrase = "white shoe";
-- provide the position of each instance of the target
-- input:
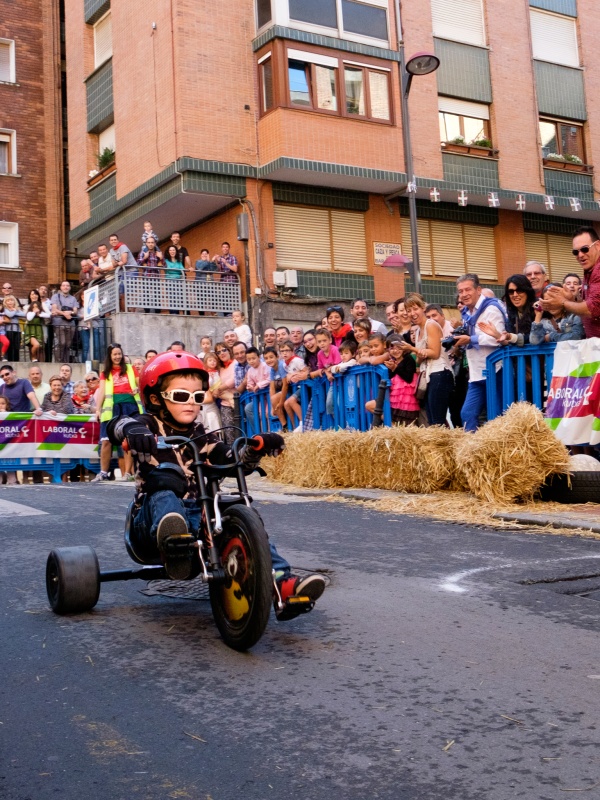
(298, 429)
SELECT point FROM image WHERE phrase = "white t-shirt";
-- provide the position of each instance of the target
(244, 334)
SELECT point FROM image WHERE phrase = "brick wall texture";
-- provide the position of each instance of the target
(31, 107)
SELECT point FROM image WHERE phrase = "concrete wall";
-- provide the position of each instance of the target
(140, 332)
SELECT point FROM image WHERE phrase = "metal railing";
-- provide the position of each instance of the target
(140, 290)
(351, 391)
(525, 374)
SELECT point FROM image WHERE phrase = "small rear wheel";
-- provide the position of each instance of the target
(72, 579)
(241, 603)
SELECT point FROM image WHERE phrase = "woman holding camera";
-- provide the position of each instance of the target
(519, 298)
(554, 326)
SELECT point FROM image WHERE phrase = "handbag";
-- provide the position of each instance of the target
(421, 389)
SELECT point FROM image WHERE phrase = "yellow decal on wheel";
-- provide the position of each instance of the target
(235, 601)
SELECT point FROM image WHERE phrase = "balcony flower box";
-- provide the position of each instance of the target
(569, 166)
(96, 176)
(469, 149)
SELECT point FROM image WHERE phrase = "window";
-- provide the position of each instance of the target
(266, 82)
(7, 61)
(263, 13)
(553, 251)
(562, 139)
(9, 245)
(357, 20)
(451, 249)
(8, 153)
(314, 83)
(103, 40)
(459, 20)
(106, 139)
(462, 119)
(320, 239)
(554, 38)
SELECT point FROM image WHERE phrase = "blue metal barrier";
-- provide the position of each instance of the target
(55, 467)
(351, 390)
(525, 374)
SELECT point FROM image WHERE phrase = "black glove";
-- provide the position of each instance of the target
(166, 477)
(141, 441)
(267, 444)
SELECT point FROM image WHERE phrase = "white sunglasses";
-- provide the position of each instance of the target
(182, 396)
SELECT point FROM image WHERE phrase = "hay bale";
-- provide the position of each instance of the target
(407, 459)
(510, 457)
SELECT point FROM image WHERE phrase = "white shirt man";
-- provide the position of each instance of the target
(360, 310)
(40, 388)
(479, 344)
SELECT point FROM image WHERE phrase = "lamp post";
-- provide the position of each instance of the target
(419, 64)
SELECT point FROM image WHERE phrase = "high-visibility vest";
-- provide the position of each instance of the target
(109, 397)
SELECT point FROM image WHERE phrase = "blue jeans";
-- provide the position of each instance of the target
(474, 404)
(156, 506)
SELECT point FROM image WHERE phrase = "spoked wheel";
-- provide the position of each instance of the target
(241, 603)
(72, 579)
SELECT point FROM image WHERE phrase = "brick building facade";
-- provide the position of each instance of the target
(32, 200)
(290, 111)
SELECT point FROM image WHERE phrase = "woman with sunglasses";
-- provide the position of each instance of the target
(118, 396)
(335, 322)
(223, 391)
(519, 298)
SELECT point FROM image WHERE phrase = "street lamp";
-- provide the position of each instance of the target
(419, 64)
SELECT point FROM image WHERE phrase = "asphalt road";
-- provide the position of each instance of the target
(443, 661)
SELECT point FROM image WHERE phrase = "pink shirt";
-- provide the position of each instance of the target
(590, 291)
(334, 357)
(258, 377)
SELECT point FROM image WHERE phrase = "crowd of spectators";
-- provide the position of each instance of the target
(435, 362)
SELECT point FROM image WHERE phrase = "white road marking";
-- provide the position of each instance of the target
(8, 509)
(451, 582)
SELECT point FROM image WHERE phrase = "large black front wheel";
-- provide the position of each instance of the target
(241, 603)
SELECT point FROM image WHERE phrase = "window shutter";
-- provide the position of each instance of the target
(348, 238)
(448, 248)
(480, 246)
(4, 254)
(103, 40)
(554, 38)
(302, 237)
(5, 71)
(553, 251)
(425, 262)
(106, 139)
(459, 20)
(464, 108)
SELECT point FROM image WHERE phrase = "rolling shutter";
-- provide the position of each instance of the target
(458, 20)
(480, 246)
(424, 243)
(448, 248)
(348, 239)
(554, 38)
(103, 40)
(464, 108)
(302, 237)
(553, 251)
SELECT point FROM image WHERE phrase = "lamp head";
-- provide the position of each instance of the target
(422, 64)
(397, 260)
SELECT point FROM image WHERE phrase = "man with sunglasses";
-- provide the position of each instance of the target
(586, 249)
(173, 386)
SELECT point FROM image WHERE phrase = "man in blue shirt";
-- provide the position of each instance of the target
(18, 391)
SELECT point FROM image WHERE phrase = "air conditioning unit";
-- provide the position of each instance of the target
(279, 278)
(291, 278)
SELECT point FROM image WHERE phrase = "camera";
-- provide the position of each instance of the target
(450, 341)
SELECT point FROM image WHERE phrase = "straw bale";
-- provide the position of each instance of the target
(510, 457)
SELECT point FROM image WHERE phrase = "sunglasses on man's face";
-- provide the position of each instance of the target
(182, 396)
(585, 250)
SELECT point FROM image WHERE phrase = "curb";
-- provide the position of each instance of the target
(551, 520)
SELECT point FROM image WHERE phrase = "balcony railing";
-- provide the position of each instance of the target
(213, 292)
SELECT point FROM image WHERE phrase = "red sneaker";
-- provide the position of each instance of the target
(297, 595)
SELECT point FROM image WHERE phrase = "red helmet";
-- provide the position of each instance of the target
(167, 364)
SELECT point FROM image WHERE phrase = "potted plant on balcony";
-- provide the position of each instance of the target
(568, 162)
(106, 166)
(478, 147)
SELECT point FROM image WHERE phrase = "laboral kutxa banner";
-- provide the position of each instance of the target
(47, 436)
(573, 409)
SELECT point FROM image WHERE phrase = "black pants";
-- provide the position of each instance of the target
(63, 336)
(14, 347)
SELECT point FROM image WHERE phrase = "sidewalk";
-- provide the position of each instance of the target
(573, 517)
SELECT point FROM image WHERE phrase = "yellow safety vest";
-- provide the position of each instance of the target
(107, 405)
